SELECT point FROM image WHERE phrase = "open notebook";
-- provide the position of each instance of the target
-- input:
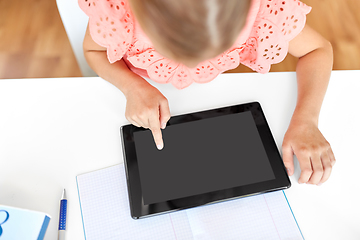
(106, 214)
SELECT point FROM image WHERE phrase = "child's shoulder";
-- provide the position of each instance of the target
(111, 25)
(276, 23)
(282, 10)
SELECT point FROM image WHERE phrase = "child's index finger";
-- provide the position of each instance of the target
(156, 132)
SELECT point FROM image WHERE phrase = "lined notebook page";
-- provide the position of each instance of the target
(266, 216)
(106, 214)
(106, 211)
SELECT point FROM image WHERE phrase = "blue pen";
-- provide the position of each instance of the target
(62, 216)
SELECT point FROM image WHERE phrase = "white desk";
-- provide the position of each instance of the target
(52, 130)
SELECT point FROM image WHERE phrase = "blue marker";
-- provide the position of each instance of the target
(62, 217)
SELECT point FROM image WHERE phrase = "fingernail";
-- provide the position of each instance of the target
(288, 171)
(160, 146)
(163, 125)
(319, 184)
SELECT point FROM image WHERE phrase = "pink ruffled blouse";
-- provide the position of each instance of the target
(264, 40)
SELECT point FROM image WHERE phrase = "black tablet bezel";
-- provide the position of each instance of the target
(139, 210)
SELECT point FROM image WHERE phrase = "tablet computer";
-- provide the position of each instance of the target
(208, 156)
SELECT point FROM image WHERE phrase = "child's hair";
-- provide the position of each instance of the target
(188, 29)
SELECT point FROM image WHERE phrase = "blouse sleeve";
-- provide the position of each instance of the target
(276, 24)
(110, 25)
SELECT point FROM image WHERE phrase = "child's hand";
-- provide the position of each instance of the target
(146, 107)
(314, 153)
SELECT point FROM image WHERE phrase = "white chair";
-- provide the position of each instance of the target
(75, 22)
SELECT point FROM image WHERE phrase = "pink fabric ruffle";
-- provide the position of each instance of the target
(270, 26)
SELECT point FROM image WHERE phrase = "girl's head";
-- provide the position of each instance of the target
(191, 31)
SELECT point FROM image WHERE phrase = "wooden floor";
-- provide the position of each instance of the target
(33, 42)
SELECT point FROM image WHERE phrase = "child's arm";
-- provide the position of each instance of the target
(146, 106)
(303, 137)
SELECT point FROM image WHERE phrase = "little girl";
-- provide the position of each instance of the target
(186, 41)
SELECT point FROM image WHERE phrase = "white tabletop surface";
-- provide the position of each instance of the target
(52, 130)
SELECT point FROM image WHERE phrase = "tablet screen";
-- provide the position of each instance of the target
(201, 156)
